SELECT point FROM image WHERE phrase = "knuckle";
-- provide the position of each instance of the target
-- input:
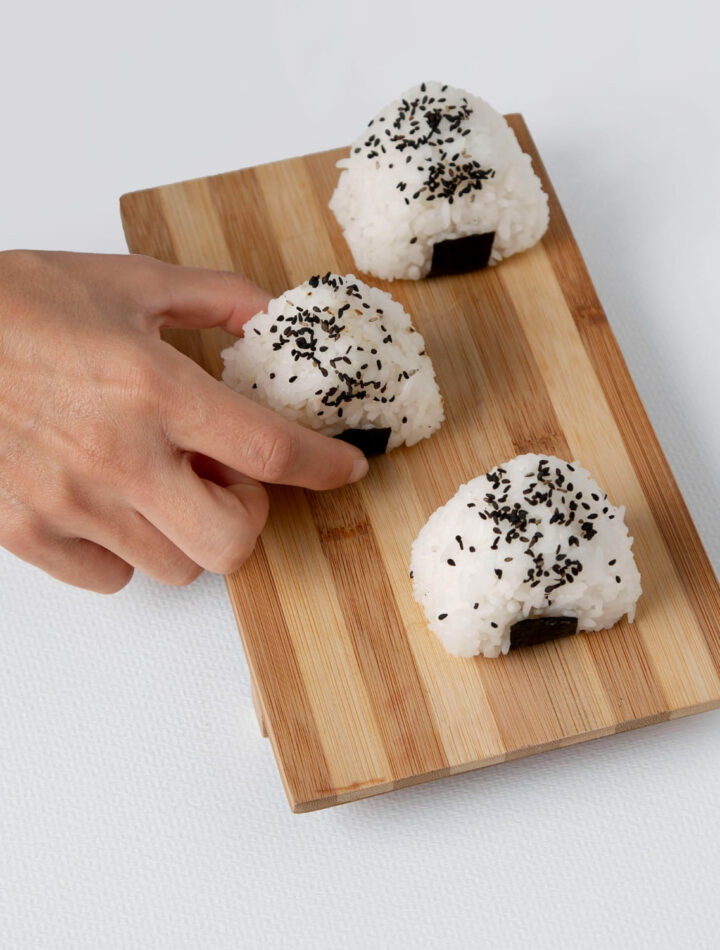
(184, 574)
(57, 503)
(233, 555)
(143, 384)
(276, 455)
(96, 444)
(146, 264)
(113, 580)
(85, 564)
(150, 287)
(256, 504)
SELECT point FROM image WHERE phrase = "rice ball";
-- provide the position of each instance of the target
(339, 356)
(529, 551)
(437, 183)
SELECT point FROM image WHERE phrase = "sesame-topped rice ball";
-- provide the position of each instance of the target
(528, 552)
(437, 183)
(339, 356)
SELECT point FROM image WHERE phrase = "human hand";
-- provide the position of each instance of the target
(117, 451)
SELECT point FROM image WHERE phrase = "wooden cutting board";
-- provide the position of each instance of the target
(356, 694)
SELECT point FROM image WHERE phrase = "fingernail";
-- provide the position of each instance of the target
(359, 469)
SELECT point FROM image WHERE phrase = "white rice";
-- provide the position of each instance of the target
(536, 536)
(436, 164)
(335, 354)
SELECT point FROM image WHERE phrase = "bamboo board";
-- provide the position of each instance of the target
(355, 693)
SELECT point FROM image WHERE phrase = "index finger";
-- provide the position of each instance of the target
(210, 418)
(197, 298)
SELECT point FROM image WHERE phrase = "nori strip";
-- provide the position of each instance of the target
(460, 255)
(372, 441)
(534, 630)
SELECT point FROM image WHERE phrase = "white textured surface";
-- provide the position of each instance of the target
(138, 805)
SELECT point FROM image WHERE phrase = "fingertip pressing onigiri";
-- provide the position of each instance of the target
(339, 356)
(437, 183)
(528, 552)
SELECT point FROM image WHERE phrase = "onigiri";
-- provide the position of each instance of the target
(339, 356)
(528, 552)
(437, 183)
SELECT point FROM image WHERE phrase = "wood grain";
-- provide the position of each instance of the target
(355, 693)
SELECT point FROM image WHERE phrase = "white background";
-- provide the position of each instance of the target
(139, 806)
